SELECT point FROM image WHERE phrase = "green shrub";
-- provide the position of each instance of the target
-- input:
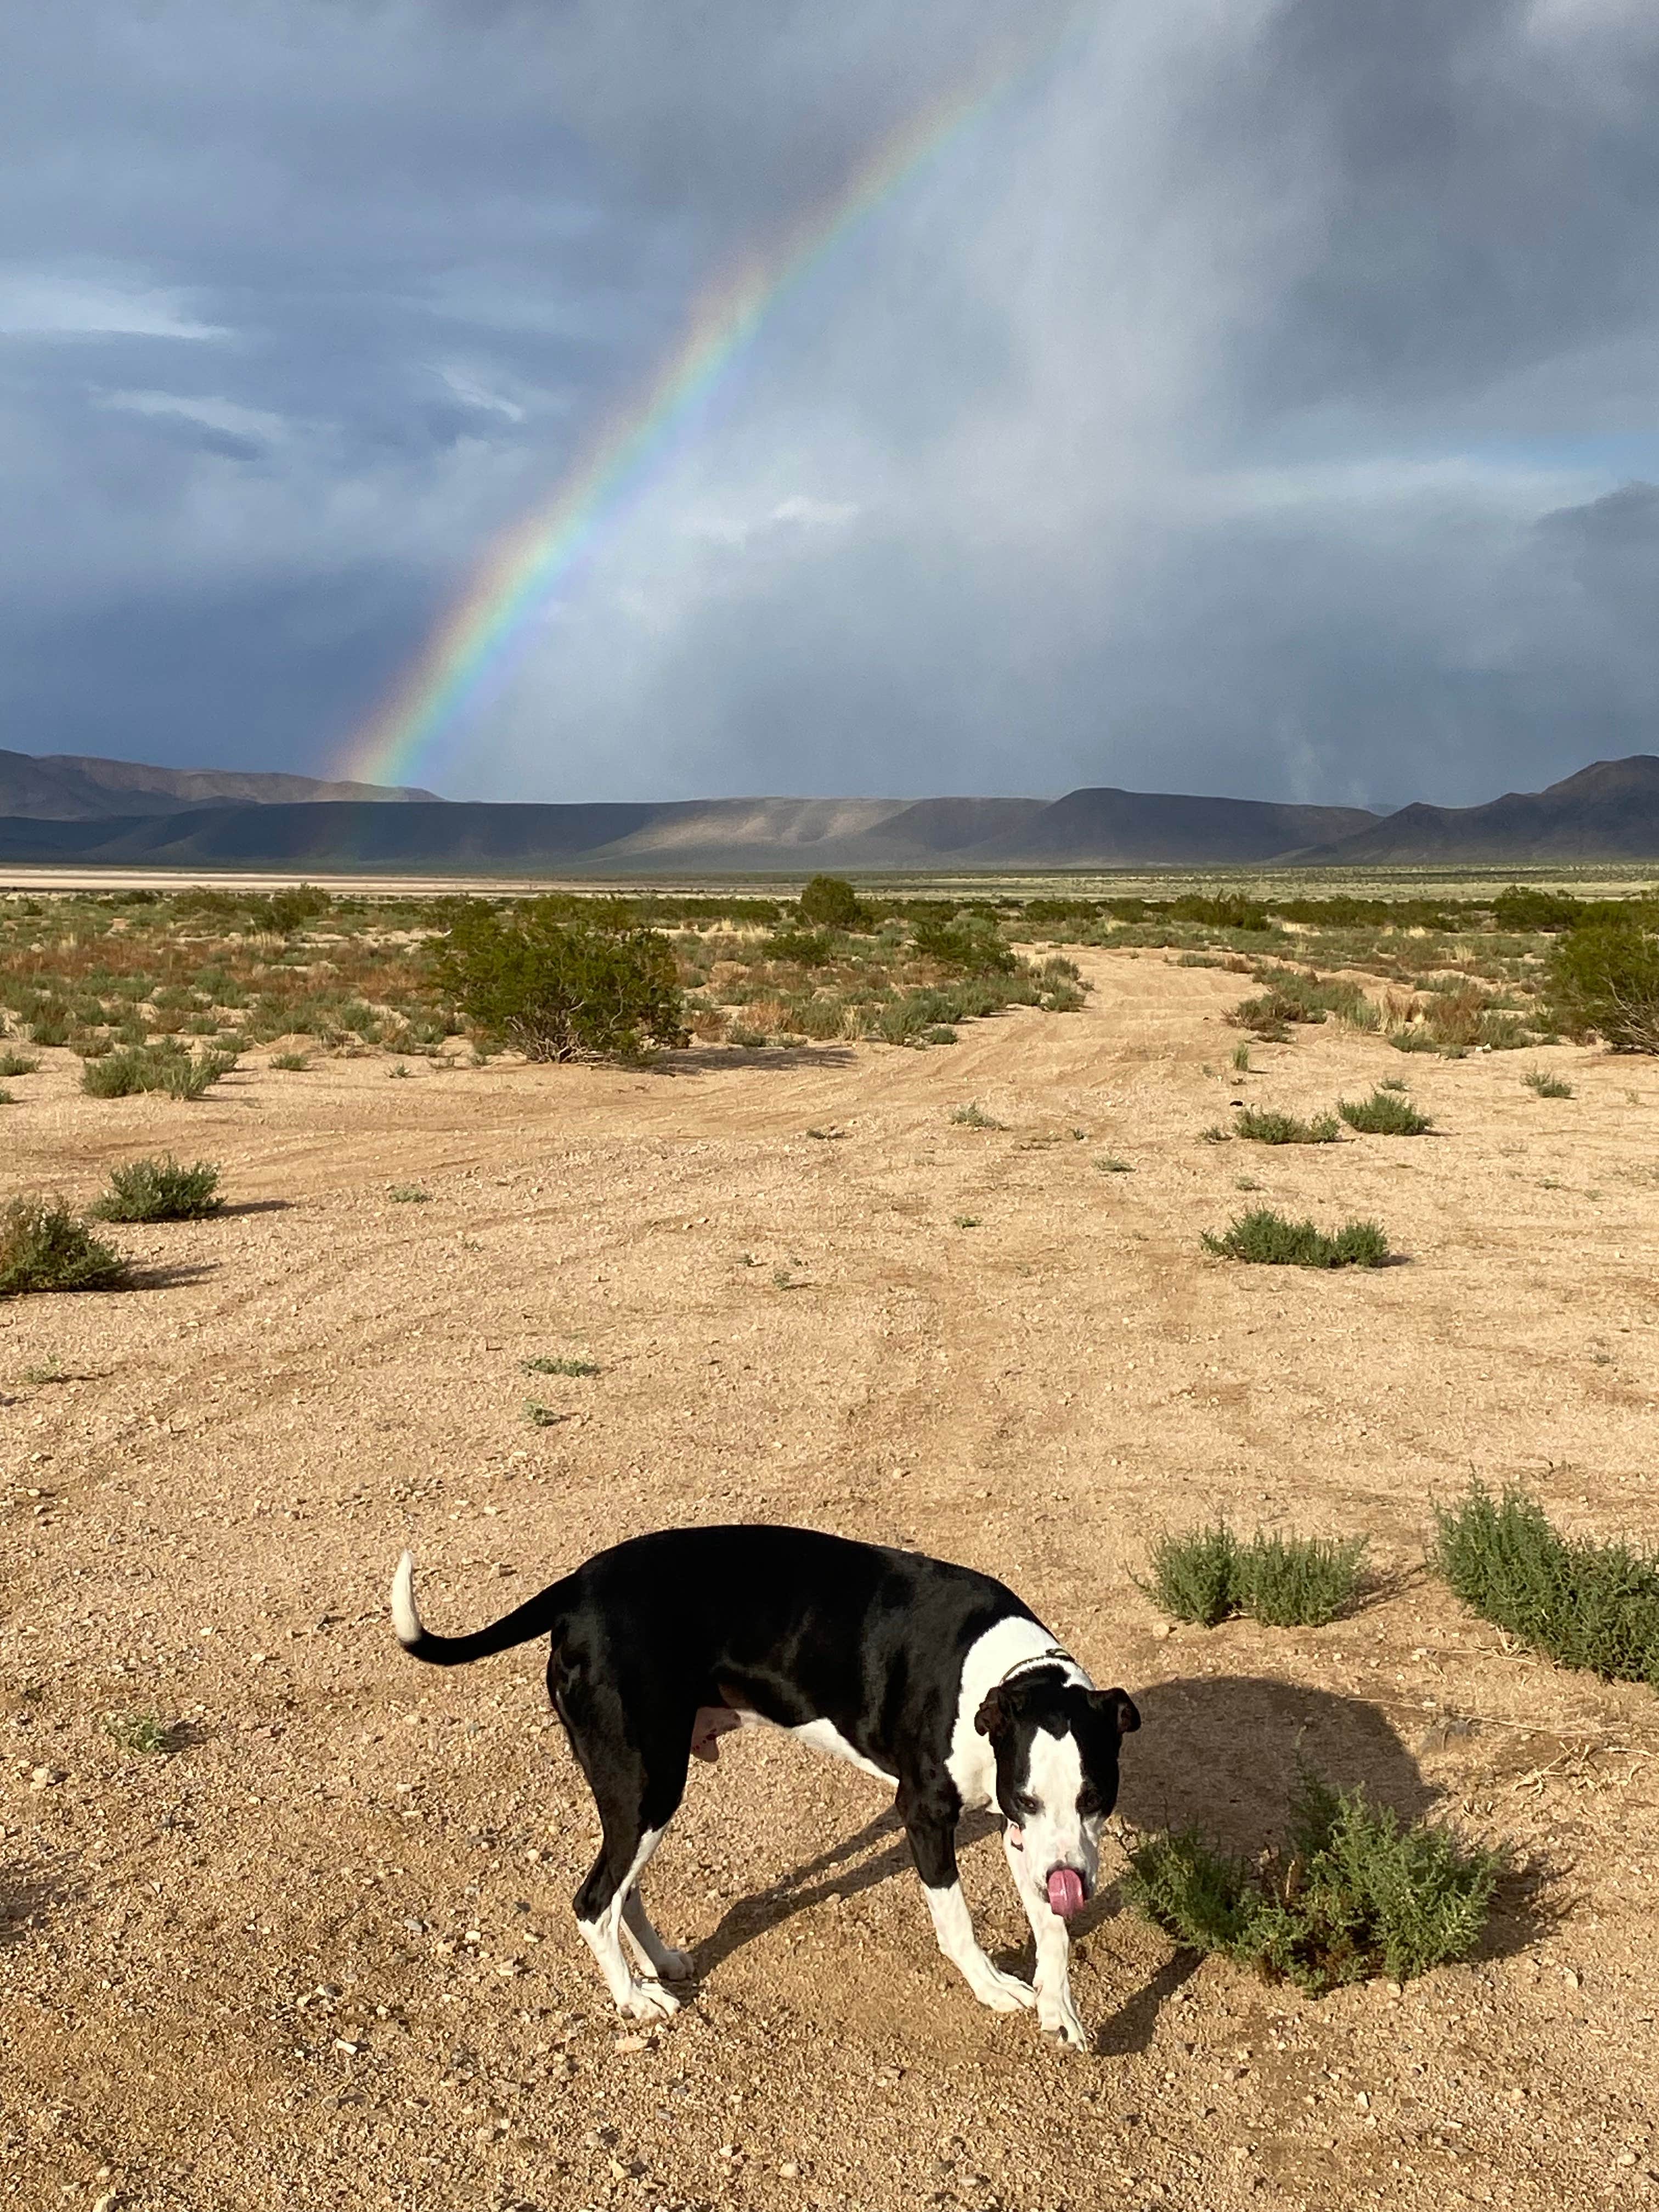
(44, 1247)
(830, 902)
(545, 1366)
(160, 1190)
(291, 1062)
(1353, 1892)
(1266, 1127)
(1589, 1604)
(973, 946)
(973, 1116)
(408, 1193)
(1300, 1582)
(147, 1734)
(18, 1063)
(1265, 1016)
(1546, 1084)
(1292, 996)
(1207, 1575)
(1604, 977)
(1108, 1164)
(1269, 1239)
(163, 1066)
(1384, 1114)
(558, 988)
(1231, 910)
(806, 948)
(1194, 1576)
(1527, 912)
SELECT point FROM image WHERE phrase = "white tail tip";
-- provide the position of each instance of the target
(405, 1620)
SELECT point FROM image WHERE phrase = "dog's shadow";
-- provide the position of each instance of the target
(1221, 1753)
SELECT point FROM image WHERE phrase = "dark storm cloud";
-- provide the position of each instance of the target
(1251, 399)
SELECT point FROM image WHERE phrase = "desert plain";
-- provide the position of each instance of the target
(320, 1952)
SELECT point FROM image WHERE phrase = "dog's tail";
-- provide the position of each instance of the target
(536, 1616)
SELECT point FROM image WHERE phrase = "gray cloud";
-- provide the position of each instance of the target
(1247, 399)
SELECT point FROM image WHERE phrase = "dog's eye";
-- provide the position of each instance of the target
(1023, 1802)
(1088, 1803)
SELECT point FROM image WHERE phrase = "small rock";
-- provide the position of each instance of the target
(789, 2170)
(343, 2044)
(632, 2043)
(1162, 1628)
(44, 1777)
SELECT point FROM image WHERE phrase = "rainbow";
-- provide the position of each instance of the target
(471, 645)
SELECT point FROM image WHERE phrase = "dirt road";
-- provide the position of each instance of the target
(322, 1955)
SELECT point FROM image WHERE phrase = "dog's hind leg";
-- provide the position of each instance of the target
(933, 1845)
(1056, 2015)
(637, 1796)
(600, 1903)
(667, 1964)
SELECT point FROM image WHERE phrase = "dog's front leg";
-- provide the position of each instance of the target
(1056, 2015)
(934, 1846)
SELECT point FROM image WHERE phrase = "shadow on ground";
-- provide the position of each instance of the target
(773, 1059)
(1219, 1752)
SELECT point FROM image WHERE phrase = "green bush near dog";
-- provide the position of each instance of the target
(1353, 1892)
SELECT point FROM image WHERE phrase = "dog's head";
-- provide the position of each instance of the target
(1056, 1746)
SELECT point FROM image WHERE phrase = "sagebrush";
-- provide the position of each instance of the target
(163, 1190)
(46, 1247)
(1584, 1603)
(1353, 1892)
(1265, 1126)
(560, 989)
(1384, 1114)
(1207, 1575)
(1268, 1239)
(1604, 979)
(168, 1067)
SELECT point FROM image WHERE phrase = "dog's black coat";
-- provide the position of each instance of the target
(796, 1626)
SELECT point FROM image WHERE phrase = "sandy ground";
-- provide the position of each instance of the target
(323, 1954)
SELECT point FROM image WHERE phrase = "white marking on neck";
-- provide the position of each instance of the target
(1008, 1647)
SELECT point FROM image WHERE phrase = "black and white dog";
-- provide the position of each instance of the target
(928, 1676)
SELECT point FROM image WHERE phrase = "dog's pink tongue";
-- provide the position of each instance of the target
(1066, 1891)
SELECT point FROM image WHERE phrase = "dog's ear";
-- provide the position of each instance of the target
(1119, 1708)
(990, 1716)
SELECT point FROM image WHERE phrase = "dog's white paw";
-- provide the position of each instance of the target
(1005, 1992)
(649, 2001)
(676, 1966)
(1062, 2025)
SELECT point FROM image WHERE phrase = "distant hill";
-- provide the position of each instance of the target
(1608, 812)
(1108, 828)
(78, 788)
(1099, 829)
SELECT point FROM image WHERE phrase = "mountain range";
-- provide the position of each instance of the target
(77, 787)
(70, 809)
